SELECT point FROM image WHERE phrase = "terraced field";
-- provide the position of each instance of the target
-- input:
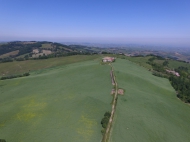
(149, 111)
(59, 104)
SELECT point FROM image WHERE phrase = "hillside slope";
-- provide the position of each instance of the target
(57, 104)
(149, 111)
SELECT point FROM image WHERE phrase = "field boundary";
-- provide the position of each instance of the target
(108, 129)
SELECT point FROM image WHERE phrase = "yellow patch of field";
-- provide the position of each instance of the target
(86, 131)
(25, 116)
(28, 110)
(2, 124)
(68, 97)
(33, 104)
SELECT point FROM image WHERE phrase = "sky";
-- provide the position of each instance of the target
(164, 22)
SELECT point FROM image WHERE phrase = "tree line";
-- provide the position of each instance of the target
(180, 84)
(14, 76)
(105, 121)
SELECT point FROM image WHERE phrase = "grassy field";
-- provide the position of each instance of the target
(176, 64)
(46, 45)
(64, 99)
(19, 67)
(59, 104)
(67, 49)
(149, 111)
(140, 61)
(9, 54)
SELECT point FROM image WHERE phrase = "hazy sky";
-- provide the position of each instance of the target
(114, 21)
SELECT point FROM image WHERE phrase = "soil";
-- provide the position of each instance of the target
(120, 91)
(112, 91)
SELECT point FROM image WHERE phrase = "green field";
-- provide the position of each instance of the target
(176, 64)
(140, 61)
(47, 45)
(149, 111)
(59, 104)
(19, 67)
(64, 99)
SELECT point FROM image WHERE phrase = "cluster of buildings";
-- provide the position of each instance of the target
(108, 59)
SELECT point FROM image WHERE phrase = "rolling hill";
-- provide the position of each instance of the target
(64, 99)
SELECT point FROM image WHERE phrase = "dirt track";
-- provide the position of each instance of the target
(106, 135)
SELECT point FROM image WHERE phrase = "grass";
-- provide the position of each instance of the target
(149, 111)
(67, 49)
(140, 61)
(57, 104)
(23, 55)
(65, 98)
(160, 62)
(176, 64)
(9, 54)
(19, 67)
(46, 45)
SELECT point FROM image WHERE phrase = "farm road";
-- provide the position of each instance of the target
(106, 135)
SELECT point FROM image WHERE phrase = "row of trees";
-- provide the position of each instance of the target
(4, 60)
(105, 121)
(14, 76)
(182, 84)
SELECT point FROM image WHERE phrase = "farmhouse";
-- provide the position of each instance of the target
(173, 72)
(108, 59)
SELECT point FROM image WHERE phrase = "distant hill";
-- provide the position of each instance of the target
(23, 50)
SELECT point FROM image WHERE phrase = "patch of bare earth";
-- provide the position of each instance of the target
(120, 91)
(13, 53)
(112, 91)
(35, 51)
(46, 52)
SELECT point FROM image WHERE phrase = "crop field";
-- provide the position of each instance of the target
(9, 54)
(59, 104)
(18, 67)
(149, 111)
(46, 45)
(140, 61)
